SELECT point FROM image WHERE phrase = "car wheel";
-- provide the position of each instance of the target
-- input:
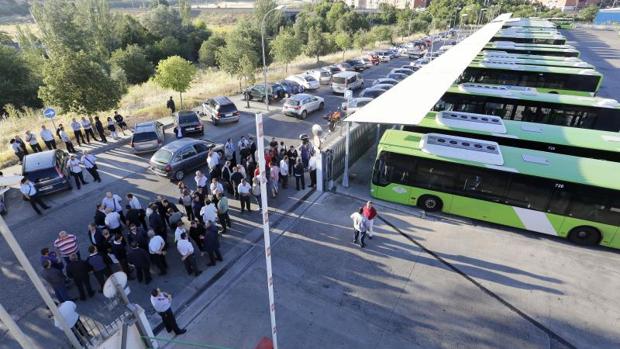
(179, 175)
(430, 203)
(585, 236)
(321, 106)
(304, 115)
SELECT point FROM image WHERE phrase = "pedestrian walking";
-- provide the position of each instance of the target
(216, 187)
(66, 139)
(30, 193)
(76, 171)
(89, 161)
(370, 213)
(66, 244)
(197, 234)
(222, 212)
(256, 192)
(34, 143)
(186, 201)
(120, 122)
(292, 155)
(114, 202)
(100, 129)
(274, 177)
(21, 143)
(99, 218)
(212, 243)
(98, 264)
(77, 131)
(140, 260)
(17, 149)
(284, 171)
(88, 129)
(157, 250)
(186, 250)
(179, 230)
(156, 223)
(201, 180)
(48, 138)
(208, 212)
(197, 206)
(244, 147)
(170, 105)
(112, 128)
(244, 190)
(298, 172)
(68, 312)
(56, 280)
(78, 270)
(162, 303)
(134, 204)
(213, 161)
(360, 225)
(236, 177)
(312, 171)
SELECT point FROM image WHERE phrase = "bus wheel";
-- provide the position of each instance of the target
(430, 203)
(585, 236)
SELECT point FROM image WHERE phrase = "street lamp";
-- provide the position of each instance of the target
(456, 12)
(461, 26)
(262, 35)
(479, 21)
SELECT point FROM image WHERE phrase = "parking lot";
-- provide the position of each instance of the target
(124, 172)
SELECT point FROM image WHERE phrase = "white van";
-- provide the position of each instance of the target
(346, 80)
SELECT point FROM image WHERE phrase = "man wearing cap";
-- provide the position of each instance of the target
(76, 171)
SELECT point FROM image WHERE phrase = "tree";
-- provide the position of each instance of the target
(75, 82)
(229, 57)
(337, 10)
(56, 20)
(185, 9)
(343, 41)
(285, 47)
(208, 50)
(588, 13)
(273, 21)
(317, 44)
(134, 63)
(382, 33)
(163, 21)
(128, 30)
(18, 85)
(362, 40)
(175, 73)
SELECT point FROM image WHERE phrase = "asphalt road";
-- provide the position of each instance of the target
(124, 172)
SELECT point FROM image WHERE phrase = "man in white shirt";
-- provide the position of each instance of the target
(360, 225)
(77, 131)
(213, 159)
(113, 221)
(201, 180)
(48, 138)
(65, 138)
(68, 312)
(90, 163)
(312, 171)
(284, 171)
(208, 212)
(186, 250)
(216, 187)
(88, 129)
(114, 202)
(76, 171)
(157, 249)
(162, 303)
(244, 189)
(133, 202)
(29, 191)
(34, 143)
(179, 231)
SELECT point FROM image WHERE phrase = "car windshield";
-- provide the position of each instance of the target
(187, 117)
(309, 78)
(325, 74)
(339, 79)
(162, 156)
(38, 162)
(226, 108)
(144, 136)
(361, 103)
(291, 101)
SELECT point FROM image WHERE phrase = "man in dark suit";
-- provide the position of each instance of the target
(140, 259)
(78, 270)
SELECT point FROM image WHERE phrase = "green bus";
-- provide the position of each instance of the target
(594, 144)
(504, 55)
(559, 195)
(532, 49)
(562, 80)
(530, 38)
(528, 23)
(535, 61)
(527, 104)
(563, 22)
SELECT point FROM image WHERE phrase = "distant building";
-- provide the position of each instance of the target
(374, 4)
(568, 5)
(608, 16)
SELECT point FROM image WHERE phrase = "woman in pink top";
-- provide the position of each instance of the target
(274, 177)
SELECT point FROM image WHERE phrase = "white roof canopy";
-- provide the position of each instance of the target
(410, 100)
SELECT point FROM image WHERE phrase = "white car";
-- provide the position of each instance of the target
(354, 104)
(307, 81)
(384, 56)
(302, 104)
(323, 75)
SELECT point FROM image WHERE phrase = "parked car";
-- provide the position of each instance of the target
(371, 92)
(323, 75)
(397, 76)
(357, 65)
(333, 69)
(302, 104)
(385, 81)
(220, 109)
(415, 53)
(344, 66)
(410, 67)
(257, 92)
(346, 80)
(147, 136)
(393, 53)
(189, 122)
(382, 86)
(373, 58)
(421, 62)
(354, 104)
(290, 87)
(384, 56)
(176, 158)
(402, 71)
(47, 170)
(307, 81)
(366, 62)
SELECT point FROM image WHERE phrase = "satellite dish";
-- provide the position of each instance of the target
(109, 289)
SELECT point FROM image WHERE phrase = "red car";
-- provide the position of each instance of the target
(373, 58)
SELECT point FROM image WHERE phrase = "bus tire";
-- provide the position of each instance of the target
(430, 203)
(585, 236)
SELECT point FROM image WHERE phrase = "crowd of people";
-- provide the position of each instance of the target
(83, 131)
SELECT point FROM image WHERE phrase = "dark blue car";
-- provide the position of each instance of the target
(290, 87)
(47, 170)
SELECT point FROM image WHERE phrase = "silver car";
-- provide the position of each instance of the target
(175, 159)
(354, 104)
(147, 136)
(300, 105)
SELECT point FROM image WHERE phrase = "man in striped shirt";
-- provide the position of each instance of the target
(66, 244)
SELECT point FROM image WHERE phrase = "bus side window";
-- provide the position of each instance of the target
(595, 205)
(436, 175)
(379, 174)
(529, 192)
(487, 185)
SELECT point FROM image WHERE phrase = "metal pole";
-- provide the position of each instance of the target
(38, 284)
(265, 213)
(345, 175)
(262, 37)
(14, 329)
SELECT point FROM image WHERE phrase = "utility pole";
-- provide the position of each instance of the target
(14, 329)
